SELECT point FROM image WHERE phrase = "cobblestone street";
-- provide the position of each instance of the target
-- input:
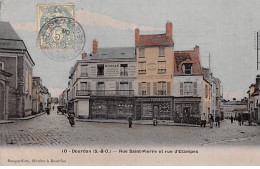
(54, 130)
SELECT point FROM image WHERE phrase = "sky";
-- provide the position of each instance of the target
(225, 29)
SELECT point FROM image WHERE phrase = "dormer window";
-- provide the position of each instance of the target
(187, 68)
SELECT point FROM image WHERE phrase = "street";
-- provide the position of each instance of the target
(55, 130)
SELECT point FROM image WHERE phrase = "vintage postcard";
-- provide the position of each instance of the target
(129, 83)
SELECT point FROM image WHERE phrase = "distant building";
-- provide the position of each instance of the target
(15, 59)
(232, 108)
(254, 99)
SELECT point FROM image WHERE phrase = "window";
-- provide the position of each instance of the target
(84, 70)
(142, 67)
(100, 68)
(187, 67)
(2, 65)
(161, 52)
(143, 88)
(100, 86)
(123, 85)
(123, 70)
(161, 67)
(206, 91)
(83, 86)
(161, 88)
(187, 88)
(141, 52)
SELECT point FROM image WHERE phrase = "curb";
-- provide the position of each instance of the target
(6, 122)
(28, 117)
(134, 122)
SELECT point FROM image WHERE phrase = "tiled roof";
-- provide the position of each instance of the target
(189, 56)
(155, 40)
(9, 38)
(113, 53)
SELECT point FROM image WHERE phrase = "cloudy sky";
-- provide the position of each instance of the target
(223, 28)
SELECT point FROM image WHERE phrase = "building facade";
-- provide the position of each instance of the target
(15, 59)
(102, 83)
(155, 74)
(4, 93)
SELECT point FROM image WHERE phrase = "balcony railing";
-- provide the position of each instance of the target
(105, 93)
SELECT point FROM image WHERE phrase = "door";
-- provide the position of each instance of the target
(138, 112)
(186, 114)
(156, 111)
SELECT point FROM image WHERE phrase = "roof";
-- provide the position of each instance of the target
(113, 53)
(9, 38)
(188, 56)
(155, 40)
(256, 93)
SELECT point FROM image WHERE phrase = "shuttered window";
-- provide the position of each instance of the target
(130, 86)
(181, 88)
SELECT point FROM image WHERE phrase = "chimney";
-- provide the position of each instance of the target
(234, 99)
(84, 55)
(95, 46)
(169, 28)
(137, 36)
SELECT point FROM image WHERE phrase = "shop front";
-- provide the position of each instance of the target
(187, 110)
(111, 107)
(149, 107)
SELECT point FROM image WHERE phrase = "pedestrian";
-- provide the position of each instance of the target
(203, 120)
(155, 121)
(217, 119)
(239, 119)
(130, 121)
(242, 119)
(71, 117)
(231, 119)
(53, 108)
(211, 120)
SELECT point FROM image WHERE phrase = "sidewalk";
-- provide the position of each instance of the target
(139, 122)
(28, 117)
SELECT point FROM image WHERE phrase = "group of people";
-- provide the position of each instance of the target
(211, 120)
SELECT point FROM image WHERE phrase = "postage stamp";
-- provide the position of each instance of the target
(60, 37)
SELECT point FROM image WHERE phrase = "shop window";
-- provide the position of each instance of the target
(84, 70)
(161, 67)
(161, 52)
(100, 68)
(141, 52)
(161, 88)
(123, 70)
(187, 68)
(142, 67)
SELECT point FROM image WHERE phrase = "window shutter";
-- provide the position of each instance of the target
(168, 88)
(96, 85)
(154, 88)
(148, 88)
(130, 85)
(117, 85)
(181, 88)
(139, 89)
(88, 84)
(194, 88)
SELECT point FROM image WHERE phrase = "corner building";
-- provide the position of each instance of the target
(155, 73)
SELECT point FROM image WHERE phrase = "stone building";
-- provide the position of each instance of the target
(155, 58)
(188, 86)
(17, 61)
(232, 108)
(102, 83)
(4, 92)
(254, 99)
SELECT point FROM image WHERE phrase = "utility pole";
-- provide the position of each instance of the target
(257, 48)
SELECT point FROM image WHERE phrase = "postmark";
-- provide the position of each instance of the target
(61, 38)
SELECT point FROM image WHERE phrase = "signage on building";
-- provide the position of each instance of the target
(112, 70)
(156, 77)
(154, 99)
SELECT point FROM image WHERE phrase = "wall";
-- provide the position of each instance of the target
(151, 58)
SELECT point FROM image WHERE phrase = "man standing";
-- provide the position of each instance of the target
(203, 120)
(231, 119)
(217, 119)
(130, 121)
